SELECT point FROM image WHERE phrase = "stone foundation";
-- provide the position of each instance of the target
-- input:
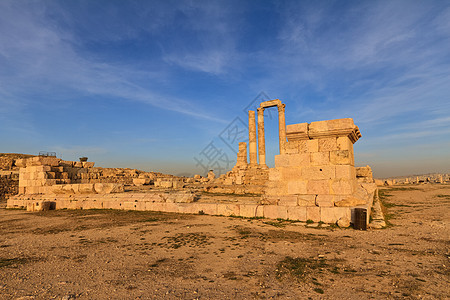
(178, 202)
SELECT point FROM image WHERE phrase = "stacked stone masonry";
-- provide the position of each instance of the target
(314, 178)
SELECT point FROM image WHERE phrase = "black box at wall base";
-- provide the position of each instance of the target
(360, 219)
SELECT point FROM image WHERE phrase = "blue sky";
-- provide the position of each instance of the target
(163, 85)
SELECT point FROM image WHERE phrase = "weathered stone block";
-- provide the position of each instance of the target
(297, 187)
(275, 212)
(345, 172)
(247, 210)
(318, 172)
(296, 213)
(320, 158)
(228, 209)
(87, 188)
(141, 181)
(207, 208)
(318, 187)
(325, 200)
(350, 201)
(306, 200)
(293, 173)
(296, 132)
(313, 213)
(333, 214)
(327, 144)
(364, 171)
(341, 157)
(177, 184)
(343, 186)
(292, 147)
(344, 143)
(88, 164)
(300, 159)
(290, 200)
(282, 160)
(274, 174)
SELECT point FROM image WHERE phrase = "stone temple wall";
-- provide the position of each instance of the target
(318, 166)
(51, 175)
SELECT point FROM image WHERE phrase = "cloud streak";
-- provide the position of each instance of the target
(46, 60)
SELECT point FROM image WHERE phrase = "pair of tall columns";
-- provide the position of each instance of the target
(261, 134)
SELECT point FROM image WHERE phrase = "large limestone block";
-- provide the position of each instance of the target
(154, 206)
(86, 188)
(188, 208)
(306, 200)
(206, 208)
(21, 163)
(297, 187)
(288, 200)
(288, 174)
(172, 207)
(343, 186)
(317, 127)
(248, 210)
(300, 159)
(318, 172)
(43, 160)
(40, 205)
(313, 213)
(166, 183)
(327, 144)
(324, 200)
(336, 126)
(141, 181)
(320, 158)
(318, 187)
(333, 214)
(228, 209)
(292, 147)
(292, 160)
(296, 213)
(296, 132)
(274, 174)
(32, 190)
(344, 143)
(88, 164)
(341, 157)
(66, 163)
(140, 205)
(108, 188)
(275, 212)
(350, 201)
(345, 172)
(128, 205)
(364, 171)
(181, 198)
(177, 184)
(282, 160)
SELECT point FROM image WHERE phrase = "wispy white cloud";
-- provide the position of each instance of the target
(37, 56)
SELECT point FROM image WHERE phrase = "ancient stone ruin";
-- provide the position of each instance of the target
(314, 178)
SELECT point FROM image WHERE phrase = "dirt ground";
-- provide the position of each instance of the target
(105, 254)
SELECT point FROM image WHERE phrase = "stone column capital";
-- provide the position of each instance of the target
(281, 107)
(260, 110)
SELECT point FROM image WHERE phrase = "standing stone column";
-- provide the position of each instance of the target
(261, 137)
(252, 137)
(242, 155)
(282, 127)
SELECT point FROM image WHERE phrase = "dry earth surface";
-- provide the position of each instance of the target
(105, 254)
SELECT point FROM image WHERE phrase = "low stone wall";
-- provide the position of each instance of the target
(182, 202)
